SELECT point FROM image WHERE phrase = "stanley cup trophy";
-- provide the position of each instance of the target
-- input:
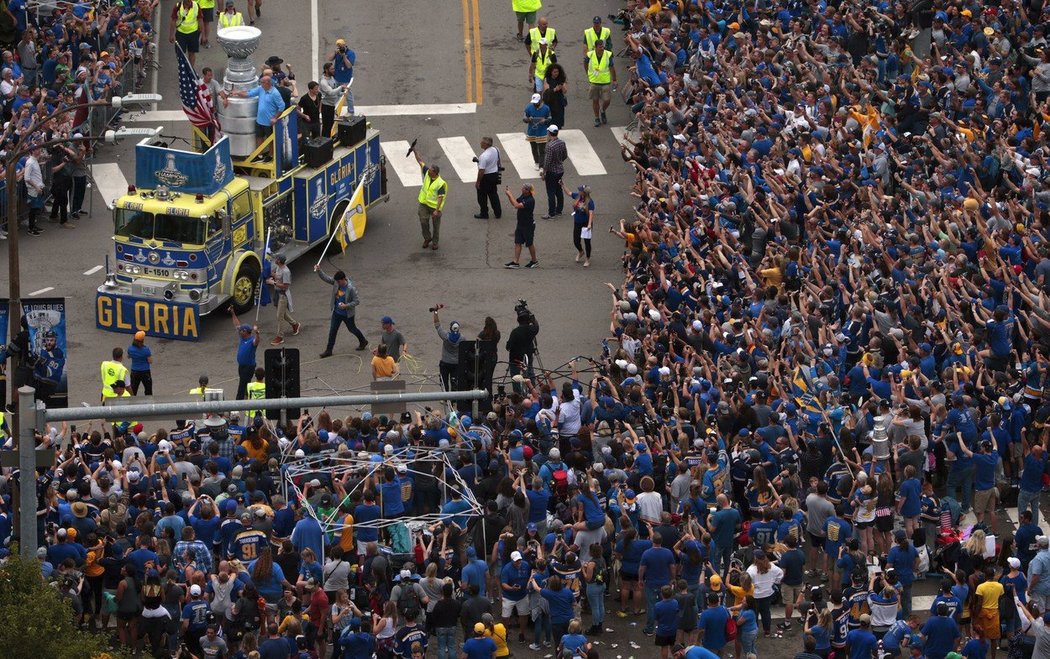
(238, 117)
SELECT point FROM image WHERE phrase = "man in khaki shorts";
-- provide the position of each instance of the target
(985, 494)
(601, 73)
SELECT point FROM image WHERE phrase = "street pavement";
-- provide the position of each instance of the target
(408, 55)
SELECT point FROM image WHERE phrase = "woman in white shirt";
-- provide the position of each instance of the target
(650, 503)
(765, 575)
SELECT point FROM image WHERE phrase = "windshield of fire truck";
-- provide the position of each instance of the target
(172, 228)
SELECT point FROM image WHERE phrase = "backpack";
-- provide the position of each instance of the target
(730, 627)
(408, 605)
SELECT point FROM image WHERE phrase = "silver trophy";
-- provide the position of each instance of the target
(238, 117)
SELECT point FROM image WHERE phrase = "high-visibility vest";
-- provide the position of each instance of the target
(591, 38)
(188, 18)
(543, 62)
(598, 70)
(206, 4)
(112, 394)
(535, 36)
(256, 391)
(231, 20)
(3, 433)
(198, 391)
(429, 194)
(525, 6)
(111, 372)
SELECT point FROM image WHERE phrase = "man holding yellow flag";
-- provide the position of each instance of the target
(525, 12)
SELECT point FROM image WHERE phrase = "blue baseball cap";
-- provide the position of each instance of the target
(245, 327)
(386, 320)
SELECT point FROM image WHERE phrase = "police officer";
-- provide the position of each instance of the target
(112, 371)
(431, 202)
(601, 73)
(231, 17)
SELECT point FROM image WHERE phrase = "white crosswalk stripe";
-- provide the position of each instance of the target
(406, 168)
(460, 154)
(110, 181)
(517, 149)
(581, 153)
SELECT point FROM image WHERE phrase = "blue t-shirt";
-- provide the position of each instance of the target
(724, 522)
(364, 512)
(975, 649)
(632, 556)
(895, 634)
(391, 498)
(821, 636)
(270, 105)
(941, 633)
(793, 562)
(984, 470)
(139, 357)
(657, 562)
(713, 622)
(573, 642)
(560, 602)
(1032, 473)
(911, 493)
(474, 573)
(246, 351)
(746, 621)
(479, 647)
(860, 643)
(666, 614)
(538, 501)
(515, 576)
(903, 561)
(592, 512)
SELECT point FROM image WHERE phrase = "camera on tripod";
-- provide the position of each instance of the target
(521, 309)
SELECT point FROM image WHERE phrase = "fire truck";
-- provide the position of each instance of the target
(190, 235)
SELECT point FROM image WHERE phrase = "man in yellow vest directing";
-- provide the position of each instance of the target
(602, 75)
(113, 370)
(541, 31)
(231, 17)
(525, 12)
(431, 202)
(595, 34)
(185, 28)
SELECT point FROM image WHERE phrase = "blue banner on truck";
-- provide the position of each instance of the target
(160, 318)
(184, 171)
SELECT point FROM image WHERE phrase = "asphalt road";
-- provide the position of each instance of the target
(408, 53)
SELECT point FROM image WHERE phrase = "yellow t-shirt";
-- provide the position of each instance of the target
(990, 592)
(346, 536)
(739, 593)
(383, 366)
(498, 633)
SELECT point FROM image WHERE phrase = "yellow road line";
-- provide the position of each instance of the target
(477, 53)
(466, 51)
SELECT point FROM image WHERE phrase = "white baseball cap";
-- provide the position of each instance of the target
(299, 453)
(195, 590)
(536, 98)
(516, 556)
(1013, 562)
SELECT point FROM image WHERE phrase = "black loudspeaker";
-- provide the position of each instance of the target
(351, 130)
(318, 151)
(282, 378)
(471, 374)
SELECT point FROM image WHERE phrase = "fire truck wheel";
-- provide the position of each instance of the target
(244, 286)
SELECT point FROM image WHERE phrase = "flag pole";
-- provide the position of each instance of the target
(258, 293)
(341, 226)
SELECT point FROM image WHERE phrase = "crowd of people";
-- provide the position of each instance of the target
(56, 59)
(824, 385)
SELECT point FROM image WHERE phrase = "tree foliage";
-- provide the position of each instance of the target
(35, 621)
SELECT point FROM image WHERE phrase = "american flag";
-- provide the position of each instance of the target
(197, 102)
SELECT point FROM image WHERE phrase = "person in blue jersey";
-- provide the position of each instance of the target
(940, 633)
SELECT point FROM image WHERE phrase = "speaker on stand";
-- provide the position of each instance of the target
(282, 380)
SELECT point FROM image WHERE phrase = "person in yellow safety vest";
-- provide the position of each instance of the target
(207, 17)
(185, 28)
(113, 371)
(541, 31)
(4, 431)
(595, 34)
(541, 61)
(256, 390)
(601, 73)
(201, 388)
(119, 390)
(431, 202)
(231, 17)
(525, 12)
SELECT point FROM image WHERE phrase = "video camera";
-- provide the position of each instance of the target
(522, 309)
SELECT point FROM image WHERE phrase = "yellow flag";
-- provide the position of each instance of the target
(354, 218)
